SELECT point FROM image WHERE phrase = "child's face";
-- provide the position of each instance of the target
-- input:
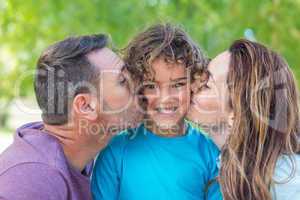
(168, 95)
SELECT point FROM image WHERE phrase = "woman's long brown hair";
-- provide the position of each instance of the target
(264, 99)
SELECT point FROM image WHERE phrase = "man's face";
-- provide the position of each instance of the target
(116, 100)
(168, 95)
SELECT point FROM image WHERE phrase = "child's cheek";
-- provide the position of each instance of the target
(184, 99)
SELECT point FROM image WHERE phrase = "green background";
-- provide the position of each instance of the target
(27, 27)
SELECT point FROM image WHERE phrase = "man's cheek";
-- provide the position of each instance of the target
(117, 103)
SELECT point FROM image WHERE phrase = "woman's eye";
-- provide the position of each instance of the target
(123, 81)
(205, 86)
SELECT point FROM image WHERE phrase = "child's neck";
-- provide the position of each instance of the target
(173, 131)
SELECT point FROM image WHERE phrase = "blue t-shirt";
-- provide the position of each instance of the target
(138, 164)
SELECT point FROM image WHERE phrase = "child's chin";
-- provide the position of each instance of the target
(167, 125)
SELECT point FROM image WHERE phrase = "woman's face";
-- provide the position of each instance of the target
(210, 106)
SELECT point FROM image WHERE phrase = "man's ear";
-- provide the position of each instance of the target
(85, 106)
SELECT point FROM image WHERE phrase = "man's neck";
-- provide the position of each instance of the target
(77, 148)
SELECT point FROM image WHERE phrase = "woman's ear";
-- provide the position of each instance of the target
(85, 106)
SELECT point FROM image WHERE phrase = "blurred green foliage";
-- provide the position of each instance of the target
(27, 27)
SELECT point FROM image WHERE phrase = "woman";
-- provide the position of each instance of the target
(251, 100)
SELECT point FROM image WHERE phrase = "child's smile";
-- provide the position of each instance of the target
(168, 95)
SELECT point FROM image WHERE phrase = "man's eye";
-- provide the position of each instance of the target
(179, 84)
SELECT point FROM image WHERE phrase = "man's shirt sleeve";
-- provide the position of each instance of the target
(29, 181)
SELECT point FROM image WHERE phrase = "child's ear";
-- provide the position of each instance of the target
(194, 87)
(200, 79)
(230, 119)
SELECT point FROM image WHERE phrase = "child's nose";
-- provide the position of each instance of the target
(165, 95)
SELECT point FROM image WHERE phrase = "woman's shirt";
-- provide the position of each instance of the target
(288, 187)
(285, 187)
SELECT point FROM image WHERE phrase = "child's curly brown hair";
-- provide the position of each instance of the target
(167, 41)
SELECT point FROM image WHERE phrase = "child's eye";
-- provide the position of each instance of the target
(179, 84)
(150, 86)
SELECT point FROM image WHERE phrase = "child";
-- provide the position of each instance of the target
(163, 158)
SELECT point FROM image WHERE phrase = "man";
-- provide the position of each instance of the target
(82, 90)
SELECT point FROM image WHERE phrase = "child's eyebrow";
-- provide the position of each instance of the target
(179, 79)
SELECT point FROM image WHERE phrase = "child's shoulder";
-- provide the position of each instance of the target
(203, 139)
(198, 133)
(196, 128)
(124, 137)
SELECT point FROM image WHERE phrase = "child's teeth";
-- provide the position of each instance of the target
(167, 110)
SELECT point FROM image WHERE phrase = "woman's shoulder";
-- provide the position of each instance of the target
(287, 164)
(287, 177)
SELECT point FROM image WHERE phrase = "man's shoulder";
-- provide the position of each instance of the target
(17, 155)
(33, 180)
(24, 152)
(28, 169)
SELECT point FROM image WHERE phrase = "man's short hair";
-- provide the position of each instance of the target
(63, 70)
